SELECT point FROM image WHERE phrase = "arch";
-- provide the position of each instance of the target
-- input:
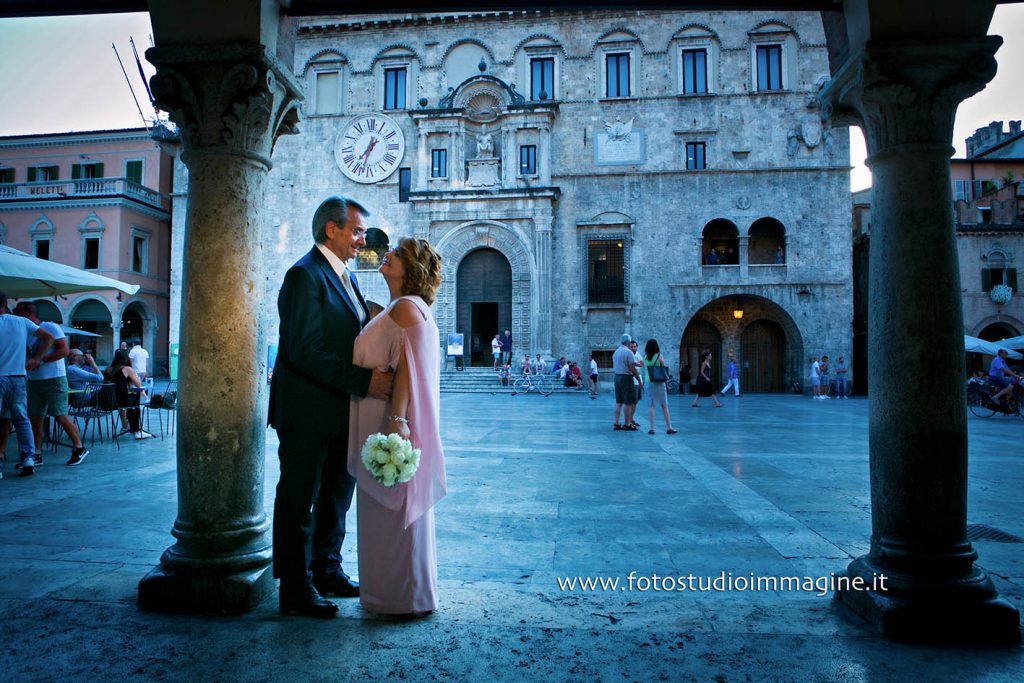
(619, 34)
(767, 244)
(771, 26)
(997, 324)
(483, 301)
(47, 311)
(395, 50)
(720, 244)
(92, 223)
(457, 243)
(327, 56)
(718, 313)
(612, 218)
(700, 335)
(996, 331)
(92, 313)
(376, 246)
(537, 40)
(42, 226)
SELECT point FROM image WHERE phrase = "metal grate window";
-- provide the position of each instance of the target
(606, 271)
(370, 255)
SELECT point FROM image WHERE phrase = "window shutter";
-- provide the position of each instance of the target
(986, 280)
(32, 174)
(76, 171)
(1011, 278)
(99, 171)
(977, 189)
(52, 172)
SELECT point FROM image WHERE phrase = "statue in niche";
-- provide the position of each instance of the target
(485, 145)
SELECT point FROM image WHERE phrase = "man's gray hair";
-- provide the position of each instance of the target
(625, 339)
(333, 209)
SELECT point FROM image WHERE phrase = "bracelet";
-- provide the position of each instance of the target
(401, 420)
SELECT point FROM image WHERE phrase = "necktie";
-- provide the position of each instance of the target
(347, 281)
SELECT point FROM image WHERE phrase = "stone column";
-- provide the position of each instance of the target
(230, 102)
(541, 342)
(544, 155)
(744, 257)
(115, 330)
(905, 96)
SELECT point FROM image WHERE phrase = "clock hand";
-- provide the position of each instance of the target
(369, 148)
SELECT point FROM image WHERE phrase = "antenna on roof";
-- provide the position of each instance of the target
(129, 82)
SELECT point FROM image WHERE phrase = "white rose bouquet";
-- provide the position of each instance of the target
(1001, 294)
(390, 458)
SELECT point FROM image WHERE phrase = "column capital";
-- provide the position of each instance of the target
(908, 93)
(226, 99)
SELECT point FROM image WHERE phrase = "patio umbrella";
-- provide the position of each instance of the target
(1012, 342)
(68, 330)
(975, 345)
(23, 276)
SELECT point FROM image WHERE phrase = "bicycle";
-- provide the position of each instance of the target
(672, 386)
(979, 401)
(527, 383)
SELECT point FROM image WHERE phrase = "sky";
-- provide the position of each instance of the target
(60, 74)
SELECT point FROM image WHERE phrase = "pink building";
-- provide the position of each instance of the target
(100, 201)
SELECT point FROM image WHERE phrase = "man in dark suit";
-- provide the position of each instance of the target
(322, 312)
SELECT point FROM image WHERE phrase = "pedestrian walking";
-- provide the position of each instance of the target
(734, 378)
(704, 386)
(841, 371)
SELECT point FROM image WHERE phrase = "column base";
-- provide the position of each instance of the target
(933, 609)
(165, 591)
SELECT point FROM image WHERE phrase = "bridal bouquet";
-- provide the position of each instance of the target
(390, 458)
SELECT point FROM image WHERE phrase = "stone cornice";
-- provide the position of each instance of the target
(64, 139)
(90, 203)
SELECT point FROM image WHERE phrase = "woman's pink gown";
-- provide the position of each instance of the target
(396, 548)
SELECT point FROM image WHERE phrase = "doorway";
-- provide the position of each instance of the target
(483, 302)
(762, 357)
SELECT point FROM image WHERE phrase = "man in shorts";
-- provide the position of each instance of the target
(48, 388)
(15, 333)
(496, 351)
(593, 377)
(624, 365)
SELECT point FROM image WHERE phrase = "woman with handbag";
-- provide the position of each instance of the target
(655, 378)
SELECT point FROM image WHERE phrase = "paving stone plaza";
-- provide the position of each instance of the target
(540, 488)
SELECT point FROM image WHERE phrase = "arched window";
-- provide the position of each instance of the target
(376, 246)
(720, 244)
(767, 243)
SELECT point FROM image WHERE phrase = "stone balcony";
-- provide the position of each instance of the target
(87, 188)
(754, 273)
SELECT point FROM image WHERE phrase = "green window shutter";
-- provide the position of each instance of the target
(99, 171)
(133, 172)
(31, 174)
(76, 171)
(53, 172)
(986, 280)
(1011, 278)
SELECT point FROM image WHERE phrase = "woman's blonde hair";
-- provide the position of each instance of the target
(422, 268)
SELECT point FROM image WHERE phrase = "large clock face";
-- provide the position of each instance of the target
(369, 148)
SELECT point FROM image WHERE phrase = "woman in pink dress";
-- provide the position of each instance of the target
(397, 557)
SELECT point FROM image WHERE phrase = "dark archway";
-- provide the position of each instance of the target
(483, 302)
(720, 245)
(997, 331)
(373, 251)
(763, 357)
(698, 337)
(131, 325)
(48, 311)
(767, 243)
(92, 316)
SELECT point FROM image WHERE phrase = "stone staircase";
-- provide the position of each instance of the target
(485, 381)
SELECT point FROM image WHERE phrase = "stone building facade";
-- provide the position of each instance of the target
(97, 200)
(577, 170)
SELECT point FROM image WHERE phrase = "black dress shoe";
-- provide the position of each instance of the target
(304, 599)
(337, 585)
